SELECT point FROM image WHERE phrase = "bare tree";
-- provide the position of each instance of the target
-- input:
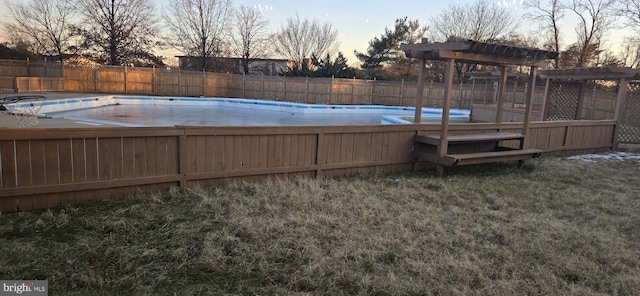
(595, 19)
(630, 53)
(199, 28)
(118, 32)
(250, 38)
(630, 9)
(43, 23)
(548, 16)
(480, 21)
(300, 39)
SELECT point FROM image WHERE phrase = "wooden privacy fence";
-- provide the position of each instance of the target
(24, 76)
(162, 82)
(42, 168)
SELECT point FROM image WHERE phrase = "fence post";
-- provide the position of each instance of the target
(373, 89)
(353, 90)
(402, 93)
(179, 82)
(153, 80)
(331, 91)
(125, 78)
(243, 86)
(262, 91)
(306, 81)
(284, 89)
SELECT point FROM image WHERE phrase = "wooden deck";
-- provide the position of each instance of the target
(473, 148)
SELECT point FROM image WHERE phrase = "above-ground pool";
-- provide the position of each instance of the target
(170, 111)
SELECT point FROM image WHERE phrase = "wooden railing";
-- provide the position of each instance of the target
(41, 168)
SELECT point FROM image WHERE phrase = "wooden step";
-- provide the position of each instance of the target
(480, 157)
(469, 138)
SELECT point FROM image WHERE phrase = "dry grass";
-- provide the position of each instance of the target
(553, 227)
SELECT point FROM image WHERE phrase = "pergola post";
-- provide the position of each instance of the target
(529, 102)
(444, 127)
(419, 92)
(501, 94)
(622, 96)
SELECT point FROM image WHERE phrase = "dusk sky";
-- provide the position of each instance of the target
(359, 21)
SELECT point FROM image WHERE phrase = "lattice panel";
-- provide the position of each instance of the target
(630, 118)
(7, 83)
(563, 100)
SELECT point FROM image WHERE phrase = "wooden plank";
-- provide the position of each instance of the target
(209, 158)
(219, 153)
(87, 186)
(256, 151)
(460, 138)
(384, 151)
(7, 166)
(326, 148)
(173, 155)
(131, 168)
(8, 204)
(237, 153)
(162, 163)
(20, 157)
(247, 161)
(114, 158)
(311, 142)
(494, 156)
(152, 154)
(229, 152)
(377, 144)
(394, 146)
(103, 159)
(37, 157)
(367, 142)
(200, 153)
(337, 148)
(65, 156)
(346, 152)
(79, 160)
(289, 153)
(52, 162)
(139, 157)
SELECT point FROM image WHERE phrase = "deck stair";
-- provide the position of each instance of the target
(465, 149)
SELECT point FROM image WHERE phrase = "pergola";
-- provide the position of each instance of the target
(475, 52)
(571, 99)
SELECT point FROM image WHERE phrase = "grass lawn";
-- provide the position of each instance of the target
(554, 227)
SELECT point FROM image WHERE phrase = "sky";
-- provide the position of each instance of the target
(357, 21)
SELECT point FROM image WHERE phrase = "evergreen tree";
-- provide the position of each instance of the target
(385, 50)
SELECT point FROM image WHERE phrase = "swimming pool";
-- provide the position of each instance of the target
(170, 111)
